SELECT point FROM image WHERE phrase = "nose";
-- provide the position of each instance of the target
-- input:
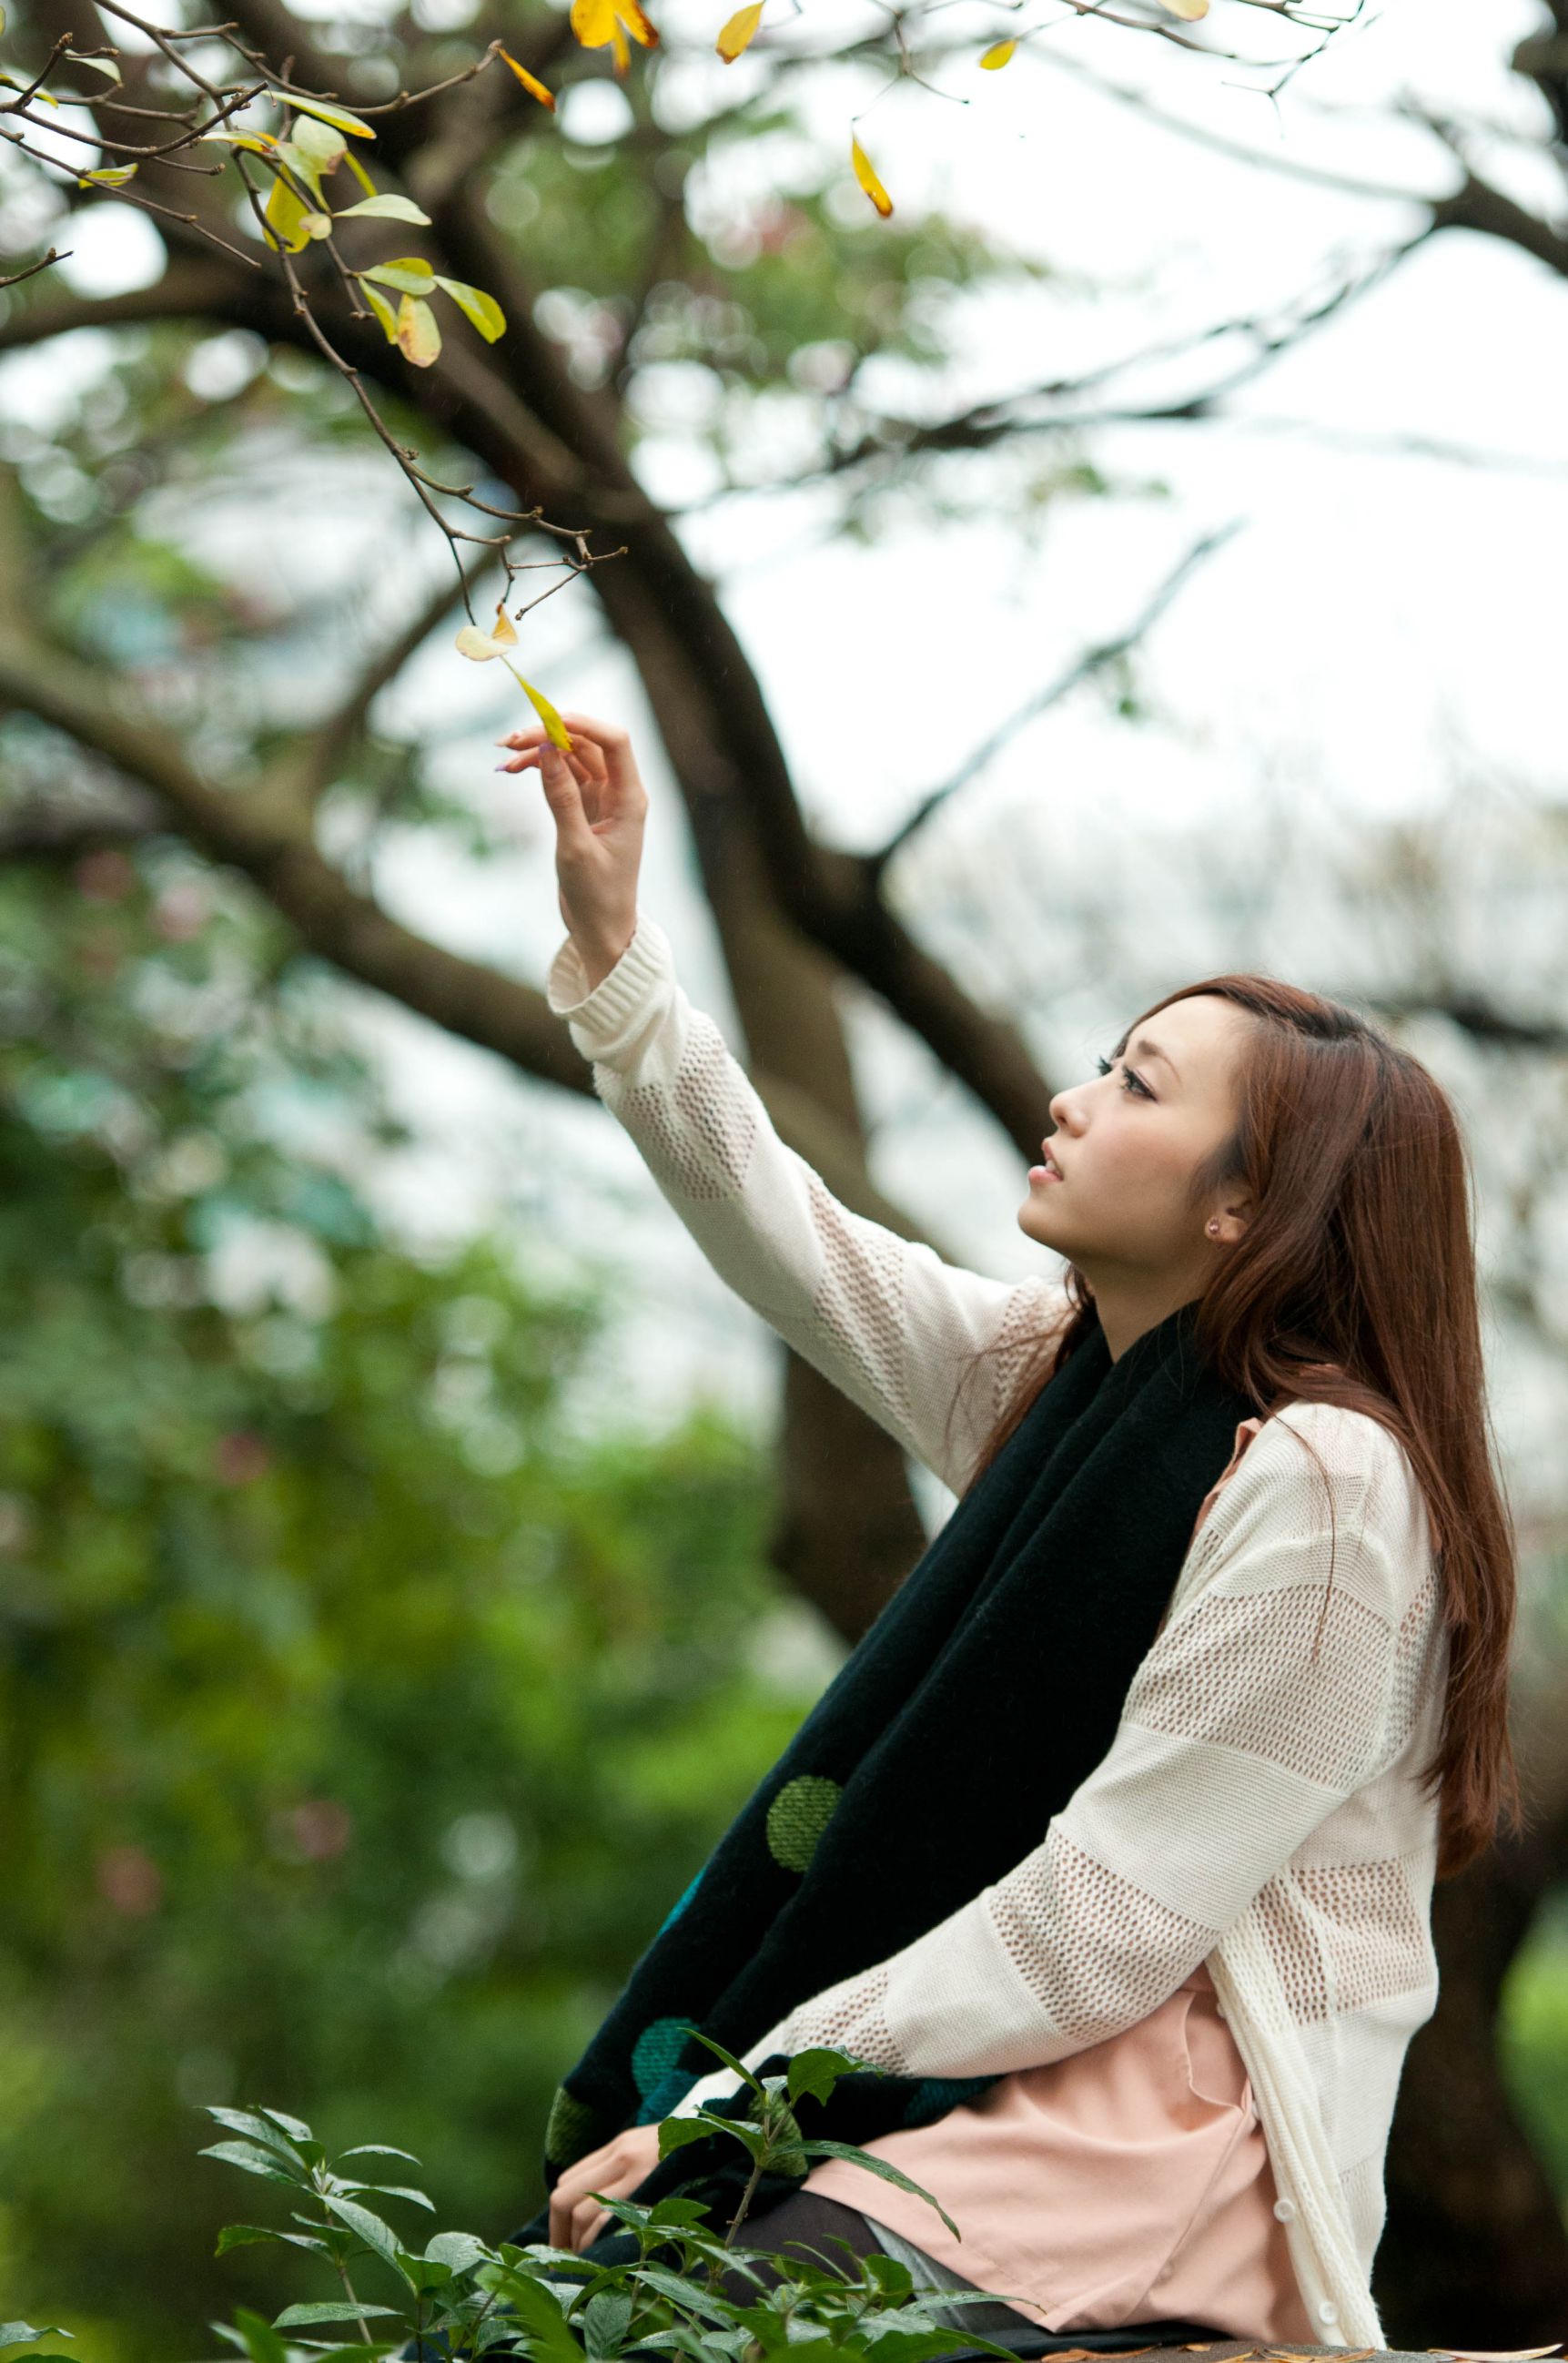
(1064, 1111)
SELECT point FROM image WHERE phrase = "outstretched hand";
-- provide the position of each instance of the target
(598, 805)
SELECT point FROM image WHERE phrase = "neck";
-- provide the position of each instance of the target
(1128, 1304)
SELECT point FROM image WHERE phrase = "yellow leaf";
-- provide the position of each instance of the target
(318, 225)
(338, 117)
(999, 55)
(531, 83)
(476, 305)
(556, 730)
(739, 32)
(503, 632)
(382, 310)
(471, 642)
(263, 142)
(418, 338)
(601, 24)
(1189, 11)
(285, 215)
(865, 173)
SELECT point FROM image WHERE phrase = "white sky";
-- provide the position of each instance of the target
(1376, 611)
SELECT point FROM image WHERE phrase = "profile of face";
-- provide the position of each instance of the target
(1113, 1193)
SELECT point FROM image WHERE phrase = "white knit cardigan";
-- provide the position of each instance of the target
(1259, 1808)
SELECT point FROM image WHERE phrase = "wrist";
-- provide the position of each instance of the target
(600, 951)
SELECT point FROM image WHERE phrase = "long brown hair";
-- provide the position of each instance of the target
(1355, 1283)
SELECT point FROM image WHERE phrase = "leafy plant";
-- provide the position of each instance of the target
(460, 2295)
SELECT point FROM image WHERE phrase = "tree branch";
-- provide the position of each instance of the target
(1092, 660)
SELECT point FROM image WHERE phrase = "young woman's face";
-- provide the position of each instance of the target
(1128, 1143)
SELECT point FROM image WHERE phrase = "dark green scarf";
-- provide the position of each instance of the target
(986, 1690)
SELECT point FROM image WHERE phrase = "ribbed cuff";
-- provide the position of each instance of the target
(600, 1013)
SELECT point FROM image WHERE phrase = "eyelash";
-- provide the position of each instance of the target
(1133, 1085)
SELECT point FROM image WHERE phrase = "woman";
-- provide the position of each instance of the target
(1149, 2067)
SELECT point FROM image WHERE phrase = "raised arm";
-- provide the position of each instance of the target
(883, 1318)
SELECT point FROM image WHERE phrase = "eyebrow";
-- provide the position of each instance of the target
(1145, 1048)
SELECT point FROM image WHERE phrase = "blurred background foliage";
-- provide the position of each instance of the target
(361, 1717)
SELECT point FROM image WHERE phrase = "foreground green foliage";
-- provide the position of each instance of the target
(458, 2295)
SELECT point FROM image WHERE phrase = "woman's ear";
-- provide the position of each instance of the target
(1227, 1223)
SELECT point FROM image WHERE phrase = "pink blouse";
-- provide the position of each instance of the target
(1127, 2183)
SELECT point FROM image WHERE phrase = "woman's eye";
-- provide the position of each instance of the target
(1131, 1084)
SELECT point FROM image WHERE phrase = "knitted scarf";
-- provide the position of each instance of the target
(985, 1691)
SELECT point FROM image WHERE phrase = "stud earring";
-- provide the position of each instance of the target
(1214, 1230)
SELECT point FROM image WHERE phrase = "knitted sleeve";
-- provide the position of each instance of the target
(884, 1317)
(1271, 1695)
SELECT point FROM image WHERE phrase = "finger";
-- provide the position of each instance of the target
(588, 2216)
(613, 743)
(574, 835)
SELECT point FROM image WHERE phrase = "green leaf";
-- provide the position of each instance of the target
(295, 2127)
(334, 2309)
(301, 166)
(378, 2236)
(879, 2166)
(22, 2334)
(409, 274)
(253, 2336)
(385, 208)
(728, 2058)
(458, 2250)
(473, 303)
(265, 2162)
(338, 117)
(380, 2149)
(246, 2235)
(257, 2128)
(605, 2320)
(422, 2273)
(106, 176)
(679, 2132)
(319, 141)
(550, 2336)
(816, 2072)
(358, 172)
(105, 66)
(695, 2296)
(396, 2190)
(689, 2212)
(388, 318)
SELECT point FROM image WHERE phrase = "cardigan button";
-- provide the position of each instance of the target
(1284, 2209)
(1328, 2310)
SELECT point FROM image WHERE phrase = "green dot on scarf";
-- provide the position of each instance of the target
(568, 2133)
(655, 2051)
(798, 1816)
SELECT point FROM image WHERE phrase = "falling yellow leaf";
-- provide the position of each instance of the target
(998, 56)
(1189, 11)
(865, 173)
(739, 31)
(418, 337)
(556, 730)
(531, 83)
(599, 24)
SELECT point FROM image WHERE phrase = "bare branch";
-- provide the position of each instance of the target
(1093, 660)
